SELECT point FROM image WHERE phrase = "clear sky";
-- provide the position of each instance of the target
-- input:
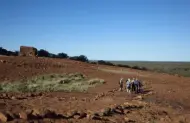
(154, 30)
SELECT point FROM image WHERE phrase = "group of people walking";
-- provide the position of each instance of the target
(132, 85)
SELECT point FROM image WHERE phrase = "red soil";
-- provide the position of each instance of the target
(170, 93)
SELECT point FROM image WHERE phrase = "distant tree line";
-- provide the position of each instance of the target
(7, 52)
(44, 53)
(82, 58)
(102, 62)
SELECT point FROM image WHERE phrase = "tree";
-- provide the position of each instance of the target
(105, 63)
(62, 55)
(16, 53)
(73, 58)
(51, 55)
(83, 58)
(43, 53)
(3, 51)
(79, 58)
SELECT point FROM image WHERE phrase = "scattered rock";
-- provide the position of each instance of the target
(128, 120)
(127, 111)
(10, 116)
(76, 116)
(149, 93)
(73, 98)
(106, 112)
(3, 61)
(50, 114)
(34, 114)
(3, 118)
(13, 98)
(23, 115)
(119, 111)
(93, 117)
(84, 99)
(78, 78)
(80, 115)
(72, 113)
(135, 104)
(164, 113)
(139, 97)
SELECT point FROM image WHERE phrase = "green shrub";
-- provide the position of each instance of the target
(54, 82)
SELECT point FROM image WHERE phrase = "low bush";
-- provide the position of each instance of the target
(54, 82)
(139, 68)
(121, 65)
(105, 63)
(81, 58)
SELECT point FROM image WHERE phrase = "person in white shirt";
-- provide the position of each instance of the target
(128, 85)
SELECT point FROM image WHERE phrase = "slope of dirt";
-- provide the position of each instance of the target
(167, 96)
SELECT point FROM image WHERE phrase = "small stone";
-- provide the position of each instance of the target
(74, 98)
(139, 97)
(119, 111)
(89, 116)
(82, 115)
(126, 111)
(93, 117)
(13, 98)
(76, 116)
(3, 61)
(34, 114)
(128, 120)
(72, 113)
(106, 112)
(50, 114)
(3, 118)
(84, 99)
(23, 115)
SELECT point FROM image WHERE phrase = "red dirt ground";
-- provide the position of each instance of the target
(168, 98)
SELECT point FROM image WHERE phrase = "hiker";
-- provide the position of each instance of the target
(138, 85)
(128, 85)
(121, 84)
(132, 85)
